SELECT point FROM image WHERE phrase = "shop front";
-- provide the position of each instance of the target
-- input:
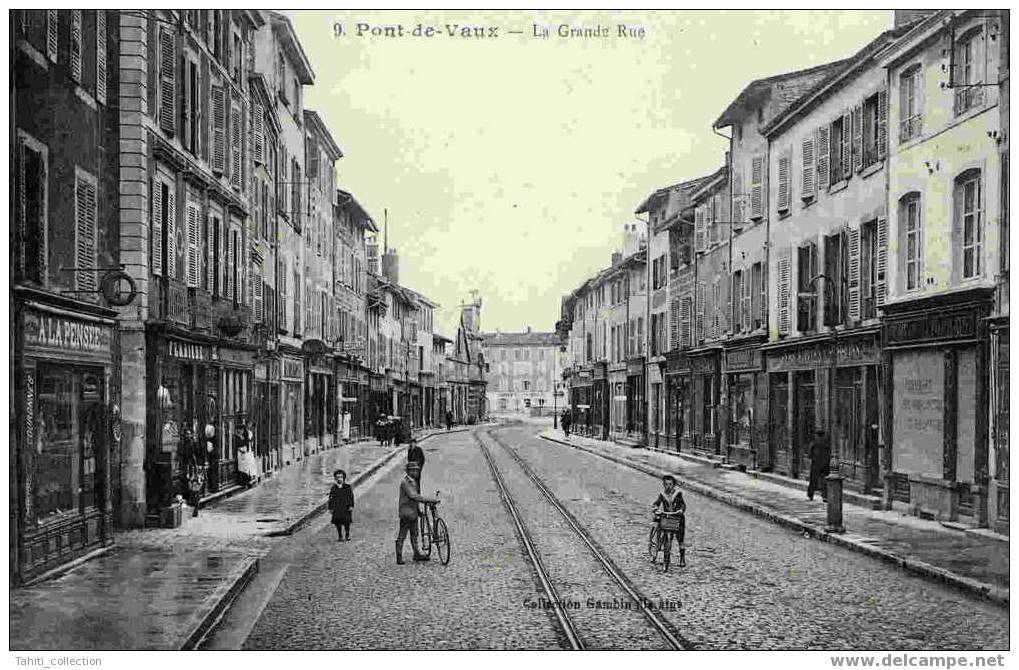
(657, 430)
(800, 387)
(233, 370)
(679, 390)
(635, 405)
(747, 391)
(600, 401)
(319, 403)
(581, 388)
(706, 411)
(292, 378)
(617, 404)
(265, 421)
(938, 408)
(999, 484)
(66, 424)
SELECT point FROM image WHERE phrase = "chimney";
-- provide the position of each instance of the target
(528, 330)
(905, 17)
(616, 257)
(391, 266)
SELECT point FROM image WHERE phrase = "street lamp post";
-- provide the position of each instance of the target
(833, 480)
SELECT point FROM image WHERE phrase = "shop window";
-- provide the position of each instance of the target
(969, 222)
(68, 436)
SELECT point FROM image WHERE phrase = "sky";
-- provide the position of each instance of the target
(509, 164)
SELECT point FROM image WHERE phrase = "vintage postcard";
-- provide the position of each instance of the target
(545, 330)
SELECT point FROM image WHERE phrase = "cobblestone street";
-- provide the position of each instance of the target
(749, 585)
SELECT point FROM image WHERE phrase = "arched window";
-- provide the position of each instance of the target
(911, 234)
(968, 224)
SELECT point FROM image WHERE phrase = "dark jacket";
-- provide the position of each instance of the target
(820, 455)
(341, 501)
(416, 455)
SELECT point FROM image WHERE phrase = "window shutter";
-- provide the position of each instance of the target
(673, 323)
(881, 261)
(809, 170)
(259, 132)
(230, 259)
(76, 44)
(167, 80)
(51, 34)
(784, 288)
(757, 187)
(101, 56)
(684, 322)
(882, 116)
(764, 296)
(170, 223)
(22, 211)
(85, 234)
(735, 305)
(738, 196)
(210, 251)
(748, 301)
(313, 159)
(699, 326)
(186, 100)
(157, 227)
(854, 274)
(218, 129)
(846, 168)
(194, 239)
(822, 158)
(699, 216)
(858, 138)
(235, 147)
(783, 184)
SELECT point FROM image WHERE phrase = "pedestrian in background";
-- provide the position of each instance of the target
(416, 455)
(566, 421)
(449, 420)
(820, 454)
(408, 513)
(341, 502)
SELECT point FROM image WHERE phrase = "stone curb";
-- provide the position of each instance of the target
(993, 593)
(308, 516)
(218, 603)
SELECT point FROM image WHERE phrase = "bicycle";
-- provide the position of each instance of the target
(434, 531)
(666, 525)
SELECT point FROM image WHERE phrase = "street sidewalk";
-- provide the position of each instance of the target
(976, 562)
(165, 588)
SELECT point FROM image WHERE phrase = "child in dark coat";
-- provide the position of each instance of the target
(341, 501)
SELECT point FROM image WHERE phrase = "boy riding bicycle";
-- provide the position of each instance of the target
(670, 500)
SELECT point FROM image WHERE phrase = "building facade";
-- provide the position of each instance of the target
(944, 257)
(524, 371)
(66, 437)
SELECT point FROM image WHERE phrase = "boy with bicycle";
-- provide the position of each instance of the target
(408, 511)
(670, 500)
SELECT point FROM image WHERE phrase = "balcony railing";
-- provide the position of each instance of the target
(968, 97)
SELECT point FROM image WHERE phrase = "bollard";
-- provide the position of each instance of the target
(834, 483)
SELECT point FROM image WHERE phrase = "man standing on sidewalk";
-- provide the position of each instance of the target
(820, 454)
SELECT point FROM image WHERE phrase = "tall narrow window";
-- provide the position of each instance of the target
(868, 270)
(806, 299)
(911, 222)
(969, 222)
(911, 103)
(32, 222)
(968, 72)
